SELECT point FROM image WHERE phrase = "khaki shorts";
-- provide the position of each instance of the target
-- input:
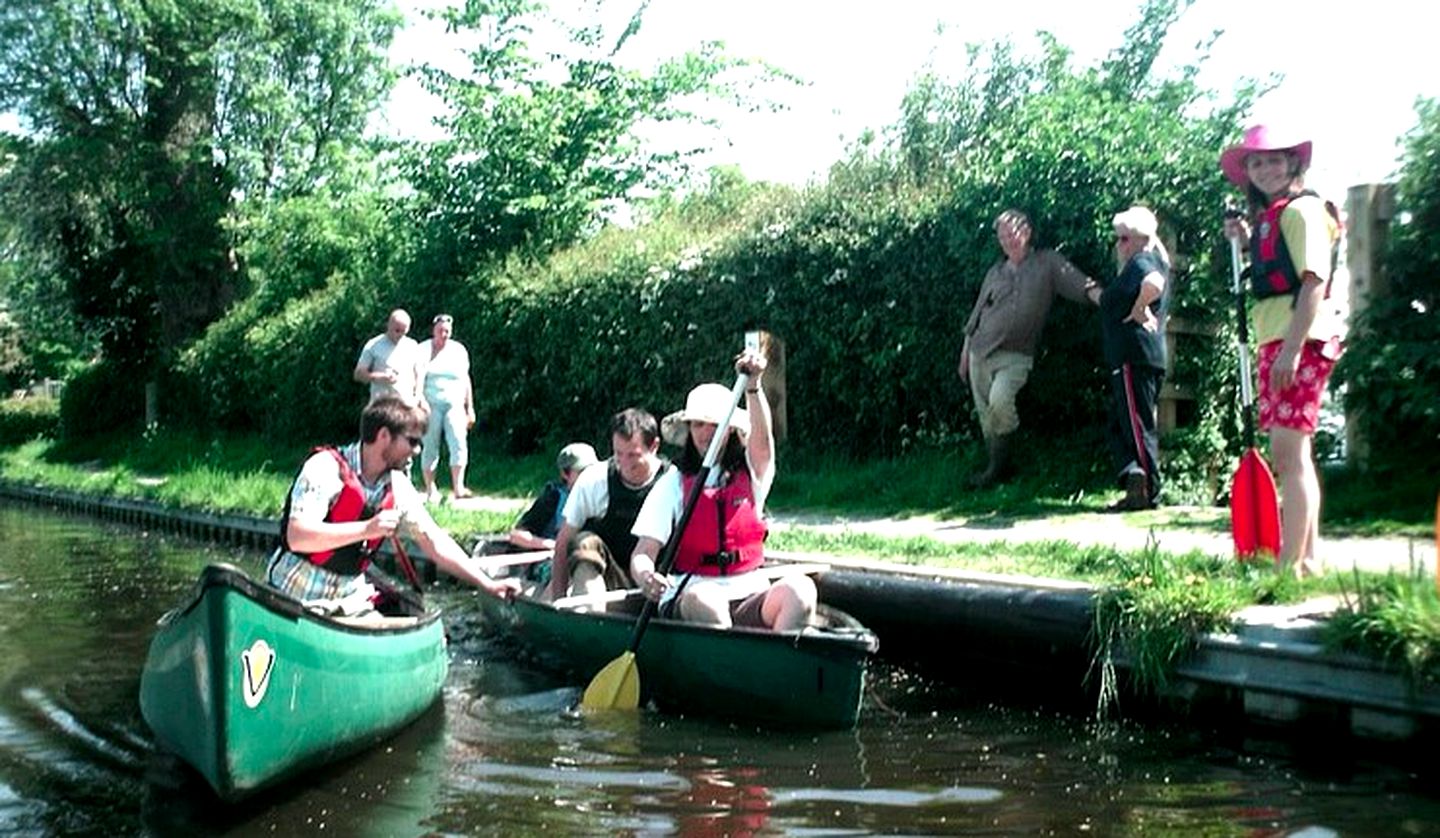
(747, 612)
(588, 548)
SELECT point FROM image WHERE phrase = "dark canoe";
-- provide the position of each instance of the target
(248, 687)
(798, 679)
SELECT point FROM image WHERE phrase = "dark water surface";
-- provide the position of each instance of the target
(500, 756)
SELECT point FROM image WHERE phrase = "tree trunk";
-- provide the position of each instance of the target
(187, 194)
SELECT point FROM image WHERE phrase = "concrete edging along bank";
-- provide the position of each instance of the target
(963, 626)
(1272, 668)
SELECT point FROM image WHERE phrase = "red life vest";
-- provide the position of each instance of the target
(725, 534)
(1272, 271)
(348, 506)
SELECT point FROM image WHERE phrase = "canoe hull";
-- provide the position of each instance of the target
(810, 679)
(248, 688)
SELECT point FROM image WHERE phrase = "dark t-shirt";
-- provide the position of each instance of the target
(542, 519)
(1130, 343)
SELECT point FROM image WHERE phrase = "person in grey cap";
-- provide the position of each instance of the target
(538, 527)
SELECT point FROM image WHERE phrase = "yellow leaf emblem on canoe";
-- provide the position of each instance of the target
(256, 664)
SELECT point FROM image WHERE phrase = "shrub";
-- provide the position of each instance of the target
(1390, 371)
(22, 420)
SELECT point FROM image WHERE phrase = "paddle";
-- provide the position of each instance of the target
(1254, 513)
(406, 566)
(617, 686)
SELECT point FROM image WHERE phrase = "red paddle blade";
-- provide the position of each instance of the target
(1254, 512)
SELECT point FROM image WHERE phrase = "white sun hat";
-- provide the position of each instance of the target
(706, 403)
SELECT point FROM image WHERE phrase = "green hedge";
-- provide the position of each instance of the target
(867, 278)
(22, 420)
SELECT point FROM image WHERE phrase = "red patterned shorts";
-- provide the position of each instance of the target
(1298, 406)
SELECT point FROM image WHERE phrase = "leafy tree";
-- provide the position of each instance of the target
(147, 119)
(1390, 371)
(538, 149)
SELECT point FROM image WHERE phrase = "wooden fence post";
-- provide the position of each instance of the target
(1369, 209)
(774, 350)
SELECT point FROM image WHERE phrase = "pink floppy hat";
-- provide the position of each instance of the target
(1259, 138)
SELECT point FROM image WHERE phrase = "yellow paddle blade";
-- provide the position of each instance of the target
(616, 687)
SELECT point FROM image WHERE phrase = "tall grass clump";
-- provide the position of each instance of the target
(1395, 617)
(1151, 620)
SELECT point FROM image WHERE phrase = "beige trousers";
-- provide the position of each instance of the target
(995, 383)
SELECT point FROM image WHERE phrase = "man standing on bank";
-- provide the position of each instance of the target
(593, 546)
(391, 364)
(1003, 331)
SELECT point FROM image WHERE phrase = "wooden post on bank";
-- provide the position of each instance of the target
(774, 350)
(1369, 209)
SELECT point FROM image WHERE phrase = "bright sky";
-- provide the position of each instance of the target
(1352, 73)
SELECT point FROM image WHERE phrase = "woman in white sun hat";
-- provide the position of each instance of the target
(713, 579)
(1294, 239)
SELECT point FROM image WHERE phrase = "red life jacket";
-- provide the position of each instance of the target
(725, 534)
(1272, 271)
(348, 506)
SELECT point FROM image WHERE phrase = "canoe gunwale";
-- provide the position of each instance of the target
(228, 576)
(851, 633)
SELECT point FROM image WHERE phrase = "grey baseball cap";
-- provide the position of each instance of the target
(576, 457)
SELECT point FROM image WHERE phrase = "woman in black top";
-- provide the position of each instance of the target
(1132, 319)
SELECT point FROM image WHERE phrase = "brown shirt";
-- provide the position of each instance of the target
(1015, 300)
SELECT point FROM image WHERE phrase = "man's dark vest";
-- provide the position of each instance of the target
(348, 506)
(621, 510)
(1272, 270)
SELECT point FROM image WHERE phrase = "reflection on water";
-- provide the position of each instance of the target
(504, 754)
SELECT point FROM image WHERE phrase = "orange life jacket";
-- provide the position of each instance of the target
(1272, 270)
(725, 534)
(349, 505)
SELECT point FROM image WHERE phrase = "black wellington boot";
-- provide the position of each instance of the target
(999, 467)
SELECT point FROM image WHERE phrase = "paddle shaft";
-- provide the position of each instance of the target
(1242, 346)
(672, 545)
(403, 559)
(1256, 522)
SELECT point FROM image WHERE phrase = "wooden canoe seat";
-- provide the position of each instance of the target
(376, 620)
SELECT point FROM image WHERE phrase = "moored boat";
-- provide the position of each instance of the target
(249, 687)
(813, 678)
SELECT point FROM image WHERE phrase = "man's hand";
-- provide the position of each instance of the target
(383, 525)
(505, 589)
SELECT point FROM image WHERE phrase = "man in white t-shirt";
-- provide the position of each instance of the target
(346, 502)
(592, 550)
(392, 364)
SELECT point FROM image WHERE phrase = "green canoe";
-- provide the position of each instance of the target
(807, 679)
(248, 687)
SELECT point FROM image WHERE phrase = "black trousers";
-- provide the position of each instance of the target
(1134, 442)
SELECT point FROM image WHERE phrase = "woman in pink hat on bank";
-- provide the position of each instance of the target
(1294, 238)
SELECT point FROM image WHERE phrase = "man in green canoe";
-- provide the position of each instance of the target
(594, 539)
(346, 502)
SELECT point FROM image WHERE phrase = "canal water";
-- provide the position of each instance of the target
(502, 756)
